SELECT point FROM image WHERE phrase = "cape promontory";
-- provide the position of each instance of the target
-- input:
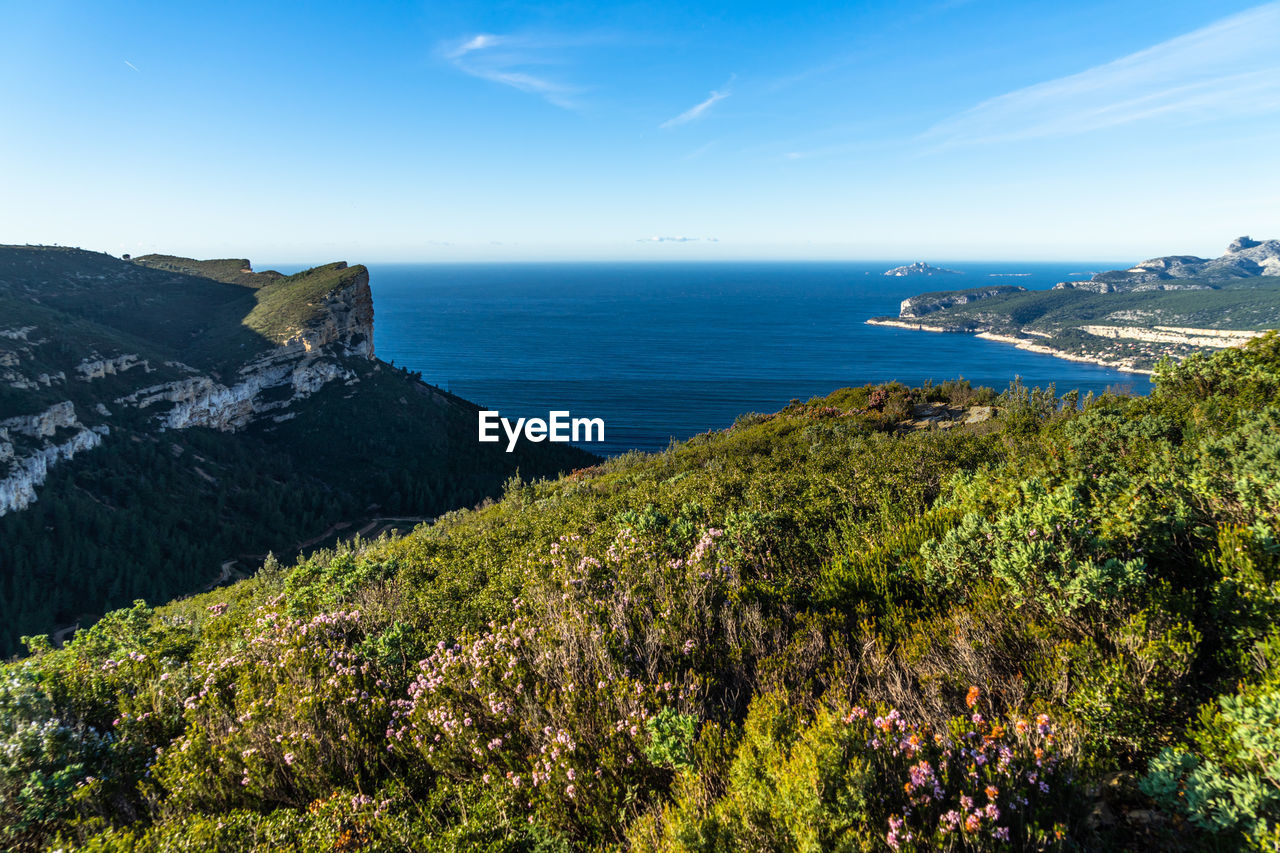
(1167, 307)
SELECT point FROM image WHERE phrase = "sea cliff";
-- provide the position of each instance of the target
(310, 350)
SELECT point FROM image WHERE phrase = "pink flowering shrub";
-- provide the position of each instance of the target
(283, 718)
(554, 709)
(569, 750)
(872, 780)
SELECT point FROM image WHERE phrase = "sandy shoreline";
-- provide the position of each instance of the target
(1020, 343)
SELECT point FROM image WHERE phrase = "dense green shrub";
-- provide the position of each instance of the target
(1044, 549)
(1231, 782)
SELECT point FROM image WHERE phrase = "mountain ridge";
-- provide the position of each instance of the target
(1244, 258)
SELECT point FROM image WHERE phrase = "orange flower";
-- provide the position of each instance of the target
(992, 792)
(972, 698)
(1022, 726)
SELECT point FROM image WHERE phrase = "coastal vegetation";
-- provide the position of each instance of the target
(841, 626)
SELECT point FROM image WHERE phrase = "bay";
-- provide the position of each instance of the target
(663, 351)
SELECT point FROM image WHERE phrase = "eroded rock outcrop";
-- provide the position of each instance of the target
(346, 321)
(52, 436)
(97, 367)
(1244, 258)
(204, 402)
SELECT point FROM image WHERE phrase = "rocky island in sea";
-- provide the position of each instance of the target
(920, 268)
(1167, 307)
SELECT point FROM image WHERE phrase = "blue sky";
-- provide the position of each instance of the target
(953, 129)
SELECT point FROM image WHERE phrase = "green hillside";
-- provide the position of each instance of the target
(1252, 304)
(289, 303)
(155, 512)
(229, 270)
(875, 621)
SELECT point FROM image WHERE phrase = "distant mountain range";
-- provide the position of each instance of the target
(1244, 258)
(165, 421)
(1128, 319)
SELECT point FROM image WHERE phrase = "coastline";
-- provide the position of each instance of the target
(1020, 343)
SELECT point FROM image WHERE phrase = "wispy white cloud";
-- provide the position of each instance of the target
(476, 42)
(678, 240)
(508, 60)
(697, 111)
(1230, 68)
(131, 65)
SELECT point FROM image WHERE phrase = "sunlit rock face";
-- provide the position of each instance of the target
(1244, 258)
(305, 362)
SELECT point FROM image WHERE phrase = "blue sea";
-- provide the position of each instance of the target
(663, 351)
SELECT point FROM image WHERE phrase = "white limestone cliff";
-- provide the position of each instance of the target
(28, 468)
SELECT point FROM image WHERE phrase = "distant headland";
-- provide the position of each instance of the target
(1167, 307)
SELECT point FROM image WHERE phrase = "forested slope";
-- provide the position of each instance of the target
(160, 419)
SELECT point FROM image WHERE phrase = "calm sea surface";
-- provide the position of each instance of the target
(663, 351)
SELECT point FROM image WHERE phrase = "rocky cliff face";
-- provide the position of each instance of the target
(346, 321)
(29, 444)
(321, 350)
(1244, 258)
(97, 367)
(927, 303)
(310, 358)
(205, 402)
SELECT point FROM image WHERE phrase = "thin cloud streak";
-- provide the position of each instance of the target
(697, 111)
(1229, 68)
(502, 59)
(478, 42)
(131, 65)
